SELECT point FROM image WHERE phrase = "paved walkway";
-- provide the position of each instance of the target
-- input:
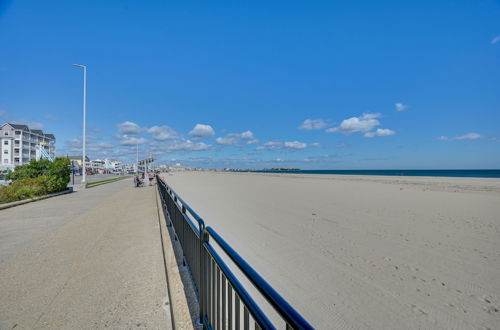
(91, 259)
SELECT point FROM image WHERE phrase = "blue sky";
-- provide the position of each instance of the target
(314, 85)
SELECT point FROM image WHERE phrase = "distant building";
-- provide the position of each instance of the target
(97, 166)
(113, 165)
(76, 161)
(18, 145)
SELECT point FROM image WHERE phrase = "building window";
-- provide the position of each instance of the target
(18, 132)
(6, 142)
(6, 133)
(6, 151)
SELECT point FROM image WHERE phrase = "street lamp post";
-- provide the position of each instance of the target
(84, 170)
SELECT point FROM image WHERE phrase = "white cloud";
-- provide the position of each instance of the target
(272, 145)
(105, 145)
(201, 130)
(128, 127)
(295, 145)
(313, 124)
(361, 124)
(127, 140)
(468, 136)
(315, 144)
(235, 138)
(247, 135)
(495, 40)
(162, 133)
(227, 141)
(188, 145)
(401, 106)
(379, 132)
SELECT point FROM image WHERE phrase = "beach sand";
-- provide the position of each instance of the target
(363, 252)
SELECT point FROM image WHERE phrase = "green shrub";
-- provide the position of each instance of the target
(23, 189)
(36, 178)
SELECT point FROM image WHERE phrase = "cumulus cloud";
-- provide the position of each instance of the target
(313, 124)
(162, 133)
(201, 130)
(246, 137)
(128, 127)
(379, 132)
(401, 106)
(495, 40)
(127, 140)
(227, 141)
(361, 124)
(468, 136)
(188, 145)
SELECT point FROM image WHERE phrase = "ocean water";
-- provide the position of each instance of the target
(439, 173)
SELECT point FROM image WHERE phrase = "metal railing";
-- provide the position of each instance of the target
(224, 301)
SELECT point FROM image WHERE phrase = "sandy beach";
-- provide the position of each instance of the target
(363, 252)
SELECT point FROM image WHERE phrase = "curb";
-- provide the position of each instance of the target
(182, 295)
(26, 201)
(99, 184)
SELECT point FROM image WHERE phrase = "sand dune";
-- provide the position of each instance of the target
(364, 252)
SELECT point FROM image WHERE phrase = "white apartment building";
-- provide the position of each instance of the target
(18, 145)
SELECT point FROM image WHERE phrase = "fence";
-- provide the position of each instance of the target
(224, 302)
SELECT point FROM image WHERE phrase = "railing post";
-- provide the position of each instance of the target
(184, 244)
(203, 285)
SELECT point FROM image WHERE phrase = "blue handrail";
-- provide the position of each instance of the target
(291, 316)
(257, 313)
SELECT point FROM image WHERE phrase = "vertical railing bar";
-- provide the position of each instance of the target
(218, 298)
(209, 286)
(246, 320)
(223, 302)
(213, 291)
(229, 306)
(236, 312)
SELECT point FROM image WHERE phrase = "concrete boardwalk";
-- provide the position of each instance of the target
(86, 260)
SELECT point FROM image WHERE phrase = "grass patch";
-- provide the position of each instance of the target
(107, 180)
